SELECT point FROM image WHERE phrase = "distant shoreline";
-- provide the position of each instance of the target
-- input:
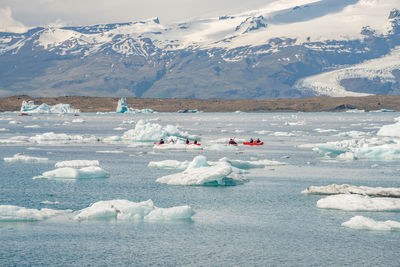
(311, 104)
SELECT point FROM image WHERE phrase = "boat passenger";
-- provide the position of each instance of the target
(251, 140)
(187, 141)
(195, 142)
(161, 141)
(258, 140)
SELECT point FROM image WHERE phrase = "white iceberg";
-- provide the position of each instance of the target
(91, 172)
(126, 210)
(243, 164)
(77, 163)
(364, 223)
(30, 107)
(123, 107)
(335, 189)
(350, 202)
(10, 213)
(221, 147)
(24, 158)
(169, 164)
(51, 137)
(146, 131)
(392, 130)
(200, 172)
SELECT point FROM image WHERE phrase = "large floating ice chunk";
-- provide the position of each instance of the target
(364, 223)
(24, 158)
(243, 164)
(10, 213)
(90, 172)
(199, 172)
(30, 107)
(51, 137)
(77, 163)
(391, 129)
(349, 202)
(123, 107)
(150, 132)
(126, 210)
(335, 189)
(169, 164)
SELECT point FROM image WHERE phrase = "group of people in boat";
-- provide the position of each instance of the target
(171, 141)
(233, 142)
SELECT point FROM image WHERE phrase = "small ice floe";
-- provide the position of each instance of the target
(169, 164)
(335, 189)
(383, 110)
(119, 129)
(77, 163)
(10, 213)
(135, 211)
(30, 107)
(14, 122)
(200, 172)
(282, 134)
(123, 107)
(319, 130)
(295, 123)
(24, 158)
(35, 126)
(48, 202)
(75, 169)
(355, 111)
(221, 147)
(262, 132)
(353, 134)
(364, 223)
(351, 202)
(146, 131)
(78, 120)
(110, 151)
(14, 140)
(3, 130)
(51, 137)
(244, 165)
(392, 130)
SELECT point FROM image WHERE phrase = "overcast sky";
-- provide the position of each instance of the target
(15, 14)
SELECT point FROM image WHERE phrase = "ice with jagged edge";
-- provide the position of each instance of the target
(146, 131)
(335, 189)
(224, 172)
(11, 213)
(123, 107)
(30, 107)
(135, 211)
(384, 146)
(25, 158)
(364, 223)
(111, 209)
(51, 138)
(351, 202)
(75, 169)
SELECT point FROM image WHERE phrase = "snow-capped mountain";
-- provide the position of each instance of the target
(287, 49)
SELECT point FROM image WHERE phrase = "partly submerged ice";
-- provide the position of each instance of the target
(75, 169)
(350, 202)
(126, 210)
(123, 107)
(335, 189)
(200, 172)
(10, 213)
(364, 223)
(24, 158)
(30, 107)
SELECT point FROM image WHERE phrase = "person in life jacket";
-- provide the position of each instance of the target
(232, 142)
(187, 141)
(161, 141)
(258, 140)
(251, 140)
(172, 141)
(195, 142)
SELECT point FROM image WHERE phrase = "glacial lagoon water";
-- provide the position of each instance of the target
(266, 221)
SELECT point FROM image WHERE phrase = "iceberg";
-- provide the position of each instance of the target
(146, 131)
(243, 164)
(24, 158)
(51, 137)
(335, 189)
(392, 130)
(136, 211)
(169, 164)
(75, 169)
(350, 202)
(90, 172)
(200, 172)
(123, 107)
(30, 107)
(77, 163)
(11, 213)
(364, 223)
